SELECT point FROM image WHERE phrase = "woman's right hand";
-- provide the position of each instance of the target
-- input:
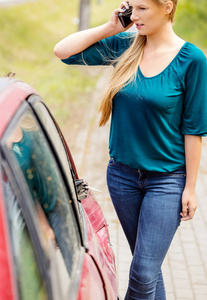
(115, 22)
(81, 40)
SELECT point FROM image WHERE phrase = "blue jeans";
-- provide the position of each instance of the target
(148, 205)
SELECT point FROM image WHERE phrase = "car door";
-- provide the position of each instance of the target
(29, 274)
(45, 204)
(40, 179)
(101, 273)
(92, 284)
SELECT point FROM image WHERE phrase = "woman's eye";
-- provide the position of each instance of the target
(143, 8)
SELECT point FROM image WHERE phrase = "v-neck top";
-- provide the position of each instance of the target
(151, 115)
(171, 62)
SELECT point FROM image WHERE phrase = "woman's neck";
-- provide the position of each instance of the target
(165, 37)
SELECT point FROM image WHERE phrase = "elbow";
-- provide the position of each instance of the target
(58, 52)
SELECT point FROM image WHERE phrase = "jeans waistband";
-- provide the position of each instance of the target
(181, 170)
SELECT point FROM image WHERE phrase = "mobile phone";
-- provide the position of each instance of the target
(125, 16)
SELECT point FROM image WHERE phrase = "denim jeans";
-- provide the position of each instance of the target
(148, 205)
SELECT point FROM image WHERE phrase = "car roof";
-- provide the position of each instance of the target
(12, 93)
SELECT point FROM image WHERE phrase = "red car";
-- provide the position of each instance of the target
(54, 242)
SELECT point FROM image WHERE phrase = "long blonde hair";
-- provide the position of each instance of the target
(126, 68)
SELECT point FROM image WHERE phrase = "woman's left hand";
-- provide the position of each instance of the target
(189, 204)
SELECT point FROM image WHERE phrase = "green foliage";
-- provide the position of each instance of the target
(30, 31)
(101, 13)
(191, 21)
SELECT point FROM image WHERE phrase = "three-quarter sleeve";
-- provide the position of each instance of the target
(103, 52)
(194, 121)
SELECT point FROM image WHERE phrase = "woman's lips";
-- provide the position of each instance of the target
(139, 26)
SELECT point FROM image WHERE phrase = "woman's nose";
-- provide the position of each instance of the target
(133, 17)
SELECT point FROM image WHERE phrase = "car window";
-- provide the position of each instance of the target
(52, 131)
(56, 138)
(29, 280)
(52, 205)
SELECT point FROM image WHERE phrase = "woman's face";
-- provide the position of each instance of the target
(148, 16)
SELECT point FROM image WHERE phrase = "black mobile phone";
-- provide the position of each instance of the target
(125, 16)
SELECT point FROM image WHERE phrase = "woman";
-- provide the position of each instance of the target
(158, 100)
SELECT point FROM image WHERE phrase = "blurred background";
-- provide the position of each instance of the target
(30, 30)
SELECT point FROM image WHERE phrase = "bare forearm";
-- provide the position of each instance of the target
(193, 146)
(192, 156)
(81, 40)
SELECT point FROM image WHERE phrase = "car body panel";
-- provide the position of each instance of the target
(91, 286)
(99, 244)
(14, 93)
(97, 276)
(7, 291)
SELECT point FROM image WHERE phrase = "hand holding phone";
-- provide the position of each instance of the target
(125, 16)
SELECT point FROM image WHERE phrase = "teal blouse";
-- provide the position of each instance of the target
(151, 115)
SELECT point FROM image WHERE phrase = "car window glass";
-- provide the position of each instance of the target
(52, 205)
(29, 281)
(46, 119)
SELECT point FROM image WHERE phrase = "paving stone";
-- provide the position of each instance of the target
(198, 279)
(186, 283)
(200, 297)
(169, 287)
(200, 289)
(195, 270)
(183, 293)
(171, 296)
(184, 298)
(180, 274)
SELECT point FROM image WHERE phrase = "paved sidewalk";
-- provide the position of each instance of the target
(185, 267)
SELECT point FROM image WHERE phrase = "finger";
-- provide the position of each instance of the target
(191, 211)
(117, 11)
(185, 219)
(124, 4)
(190, 215)
(184, 209)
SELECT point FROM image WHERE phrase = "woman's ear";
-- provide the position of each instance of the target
(168, 7)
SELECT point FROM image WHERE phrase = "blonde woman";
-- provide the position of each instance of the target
(157, 100)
